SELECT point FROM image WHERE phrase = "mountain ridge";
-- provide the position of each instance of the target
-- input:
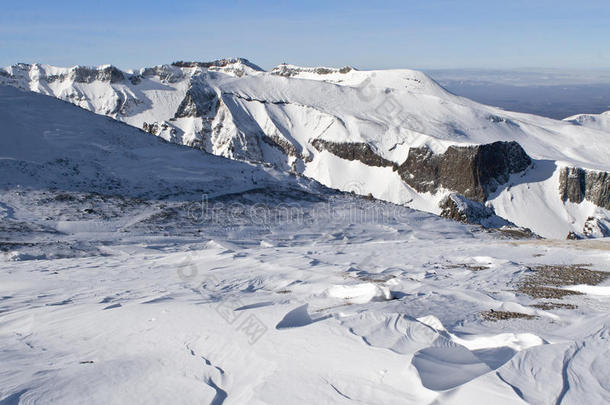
(309, 120)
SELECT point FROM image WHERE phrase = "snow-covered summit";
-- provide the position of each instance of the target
(596, 121)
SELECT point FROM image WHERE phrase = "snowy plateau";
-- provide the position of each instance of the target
(209, 232)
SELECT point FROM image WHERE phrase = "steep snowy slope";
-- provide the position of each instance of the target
(394, 134)
(47, 143)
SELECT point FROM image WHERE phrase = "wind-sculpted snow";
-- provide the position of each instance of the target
(304, 119)
(327, 310)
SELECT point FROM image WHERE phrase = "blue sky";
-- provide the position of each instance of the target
(415, 34)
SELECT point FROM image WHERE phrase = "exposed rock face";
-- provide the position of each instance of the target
(88, 75)
(289, 71)
(473, 171)
(459, 208)
(576, 185)
(164, 72)
(235, 66)
(200, 101)
(573, 236)
(82, 74)
(353, 151)
(595, 228)
(152, 128)
(217, 63)
(286, 147)
(135, 79)
(78, 74)
(158, 129)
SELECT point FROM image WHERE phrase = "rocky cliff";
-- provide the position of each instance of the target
(577, 185)
(200, 101)
(473, 171)
(352, 151)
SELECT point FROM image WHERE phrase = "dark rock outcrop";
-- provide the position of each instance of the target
(459, 208)
(285, 146)
(595, 228)
(135, 79)
(573, 236)
(78, 74)
(110, 74)
(152, 128)
(353, 151)
(473, 171)
(576, 185)
(156, 129)
(220, 63)
(200, 101)
(289, 71)
(164, 73)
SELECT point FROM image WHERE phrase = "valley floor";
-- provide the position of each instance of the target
(343, 300)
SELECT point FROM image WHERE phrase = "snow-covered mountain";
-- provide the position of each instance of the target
(48, 144)
(395, 134)
(118, 286)
(595, 121)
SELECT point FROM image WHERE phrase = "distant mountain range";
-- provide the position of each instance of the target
(394, 134)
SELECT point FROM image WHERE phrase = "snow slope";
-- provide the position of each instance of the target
(238, 111)
(48, 143)
(117, 285)
(596, 121)
(292, 323)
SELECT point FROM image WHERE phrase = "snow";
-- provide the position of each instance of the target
(591, 289)
(79, 150)
(112, 328)
(360, 293)
(270, 289)
(391, 110)
(596, 121)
